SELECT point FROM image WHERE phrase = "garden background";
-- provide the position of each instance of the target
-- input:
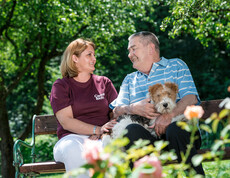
(34, 34)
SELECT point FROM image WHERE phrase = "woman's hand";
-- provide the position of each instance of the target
(108, 126)
(94, 137)
(100, 130)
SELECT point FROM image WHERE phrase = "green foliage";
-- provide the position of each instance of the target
(206, 20)
(216, 127)
(217, 169)
(209, 63)
(220, 143)
(34, 33)
(50, 175)
(43, 148)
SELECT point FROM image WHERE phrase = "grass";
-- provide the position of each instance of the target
(215, 169)
(51, 176)
(212, 169)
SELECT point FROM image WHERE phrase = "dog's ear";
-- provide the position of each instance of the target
(172, 86)
(152, 89)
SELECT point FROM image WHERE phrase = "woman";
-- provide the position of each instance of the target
(80, 101)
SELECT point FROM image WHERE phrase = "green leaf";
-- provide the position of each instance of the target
(206, 128)
(217, 145)
(185, 126)
(223, 113)
(197, 159)
(215, 125)
(159, 145)
(225, 132)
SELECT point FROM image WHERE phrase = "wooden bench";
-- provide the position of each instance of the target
(47, 124)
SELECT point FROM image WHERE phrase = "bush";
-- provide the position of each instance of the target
(43, 148)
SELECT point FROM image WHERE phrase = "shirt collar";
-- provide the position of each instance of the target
(163, 62)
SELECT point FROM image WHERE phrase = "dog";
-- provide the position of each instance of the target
(163, 96)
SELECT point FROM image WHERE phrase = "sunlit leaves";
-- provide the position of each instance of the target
(224, 113)
(206, 128)
(42, 29)
(206, 20)
(225, 133)
(197, 159)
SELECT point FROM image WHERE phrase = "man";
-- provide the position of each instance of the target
(144, 53)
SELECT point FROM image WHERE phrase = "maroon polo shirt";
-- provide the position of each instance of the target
(89, 101)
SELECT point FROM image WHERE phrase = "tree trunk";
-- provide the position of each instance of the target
(6, 145)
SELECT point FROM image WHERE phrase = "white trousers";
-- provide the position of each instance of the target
(69, 151)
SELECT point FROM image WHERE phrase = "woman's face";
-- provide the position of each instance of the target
(86, 61)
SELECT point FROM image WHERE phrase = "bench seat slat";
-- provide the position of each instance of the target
(43, 167)
(210, 107)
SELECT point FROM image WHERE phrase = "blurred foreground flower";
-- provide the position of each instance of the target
(193, 112)
(95, 157)
(146, 163)
(92, 151)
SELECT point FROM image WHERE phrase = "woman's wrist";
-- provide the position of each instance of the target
(96, 130)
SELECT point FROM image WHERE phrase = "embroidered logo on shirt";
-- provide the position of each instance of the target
(100, 97)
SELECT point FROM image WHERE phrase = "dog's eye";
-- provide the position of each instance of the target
(158, 96)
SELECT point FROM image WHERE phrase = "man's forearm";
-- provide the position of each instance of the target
(142, 108)
(187, 100)
(120, 110)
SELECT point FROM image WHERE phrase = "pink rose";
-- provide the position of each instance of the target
(91, 151)
(153, 161)
(193, 112)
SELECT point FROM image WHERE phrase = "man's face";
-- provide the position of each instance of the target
(137, 54)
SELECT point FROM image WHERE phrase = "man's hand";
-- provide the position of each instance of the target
(161, 123)
(164, 120)
(144, 108)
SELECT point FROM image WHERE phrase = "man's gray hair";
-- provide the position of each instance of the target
(146, 38)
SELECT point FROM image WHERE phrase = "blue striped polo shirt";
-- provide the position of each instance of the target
(135, 86)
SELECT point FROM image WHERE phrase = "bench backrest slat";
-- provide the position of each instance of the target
(47, 124)
(210, 107)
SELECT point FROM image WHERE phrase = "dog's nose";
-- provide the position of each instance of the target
(165, 105)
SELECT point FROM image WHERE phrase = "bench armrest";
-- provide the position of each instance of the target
(17, 155)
